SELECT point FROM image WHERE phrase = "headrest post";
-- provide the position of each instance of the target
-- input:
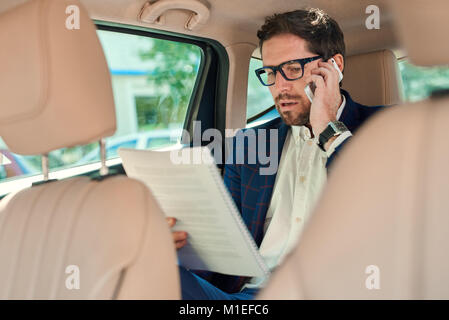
(45, 166)
(104, 169)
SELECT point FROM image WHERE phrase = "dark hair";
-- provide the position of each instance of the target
(322, 33)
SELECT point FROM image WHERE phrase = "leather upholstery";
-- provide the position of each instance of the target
(373, 78)
(54, 81)
(113, 230)
(56, 93)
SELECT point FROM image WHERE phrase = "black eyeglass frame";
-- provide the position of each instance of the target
(275, 69)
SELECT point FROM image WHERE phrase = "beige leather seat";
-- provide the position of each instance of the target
(381, 230)
(108, 236)
(373, 78)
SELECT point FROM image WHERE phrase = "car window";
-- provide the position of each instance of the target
(259, 97)
(419, 82)
(152, 79)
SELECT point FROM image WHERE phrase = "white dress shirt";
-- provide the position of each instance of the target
(300, 178)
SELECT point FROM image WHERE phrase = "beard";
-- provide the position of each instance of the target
(299, 116)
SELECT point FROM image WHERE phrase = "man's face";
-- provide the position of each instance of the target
(289, 96)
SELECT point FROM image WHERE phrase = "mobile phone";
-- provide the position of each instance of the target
(310, 88)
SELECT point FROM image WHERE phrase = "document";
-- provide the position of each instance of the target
(193, 192)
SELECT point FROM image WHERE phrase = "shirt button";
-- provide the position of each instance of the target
(302, 179)
(310, 143)
(298, 220)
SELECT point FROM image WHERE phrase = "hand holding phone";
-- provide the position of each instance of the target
(310, 88)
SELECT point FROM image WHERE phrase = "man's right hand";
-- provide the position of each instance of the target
(179, 237)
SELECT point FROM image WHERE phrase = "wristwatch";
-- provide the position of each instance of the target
(333, 128)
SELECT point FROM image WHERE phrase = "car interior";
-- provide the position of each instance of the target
(398, 219)
(71, 87)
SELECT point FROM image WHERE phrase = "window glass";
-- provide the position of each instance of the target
(419, 82)
(152, 80)
(259, 96)
(12, 165)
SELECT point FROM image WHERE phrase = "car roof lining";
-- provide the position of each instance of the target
(230, 26)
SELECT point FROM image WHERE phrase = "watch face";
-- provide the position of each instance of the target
(338, 126)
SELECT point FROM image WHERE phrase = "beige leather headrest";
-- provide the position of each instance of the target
(55, 86)
(423, 28)
(373, 78)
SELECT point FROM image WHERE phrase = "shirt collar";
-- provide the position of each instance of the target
(301, 132)
(342, 106)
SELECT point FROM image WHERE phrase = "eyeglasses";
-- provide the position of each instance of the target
(290, 70)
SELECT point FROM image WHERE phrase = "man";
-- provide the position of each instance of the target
(296, 48)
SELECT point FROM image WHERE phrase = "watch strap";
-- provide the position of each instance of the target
(332, 129)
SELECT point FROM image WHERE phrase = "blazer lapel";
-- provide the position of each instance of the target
(266, 182)
(350, 114)
(270, 179)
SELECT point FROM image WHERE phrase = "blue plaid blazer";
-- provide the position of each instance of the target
(252, 191)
